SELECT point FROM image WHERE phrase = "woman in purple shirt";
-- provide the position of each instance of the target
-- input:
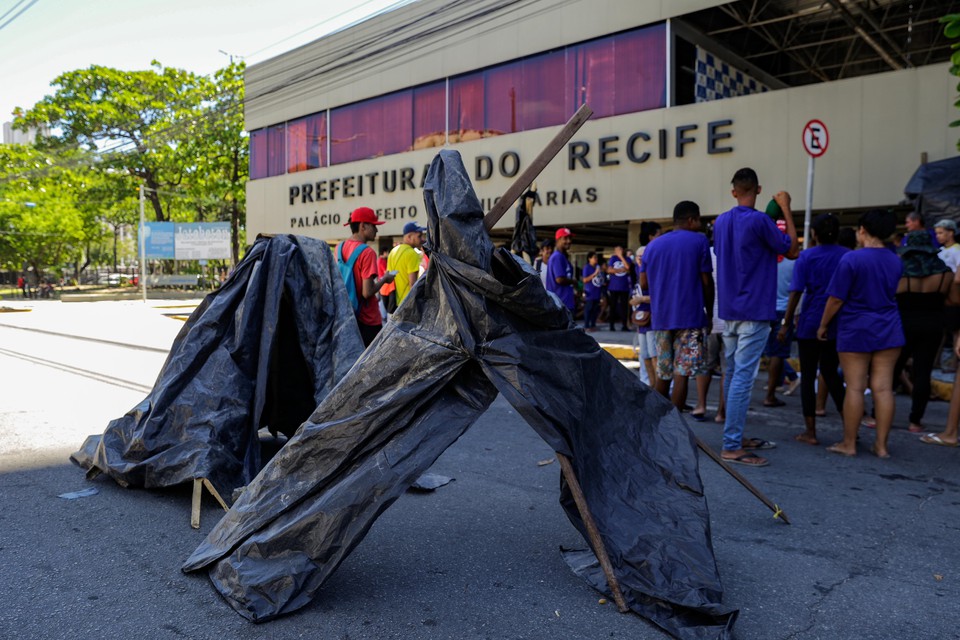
(811, 275)
(869, 334)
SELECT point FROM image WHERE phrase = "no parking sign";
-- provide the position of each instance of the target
(816, 138)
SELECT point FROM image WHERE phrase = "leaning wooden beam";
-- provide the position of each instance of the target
(508, 198)
(539, 164)
(592, 532)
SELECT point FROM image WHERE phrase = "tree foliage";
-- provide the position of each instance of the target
(178, 134)
(42, 224)
(951, 29)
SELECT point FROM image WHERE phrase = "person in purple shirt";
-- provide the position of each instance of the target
(560, 279)
(747, 243)
(811, 275)
(618, 288)
(592, 278)
(862, 294)
(677, 271)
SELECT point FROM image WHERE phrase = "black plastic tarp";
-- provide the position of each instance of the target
(263, 350)
(479, 322)
(934, 190)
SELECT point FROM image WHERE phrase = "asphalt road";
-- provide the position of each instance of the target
(872, 551)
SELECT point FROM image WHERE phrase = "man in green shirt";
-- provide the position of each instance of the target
(405, 259)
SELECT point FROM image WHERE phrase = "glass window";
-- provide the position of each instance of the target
(429, 115)
(618, 74)
(371, 128)
(267, 156)
(401, 121)
(542, 91)
(466, 107)
(517, 96)
(307, 143)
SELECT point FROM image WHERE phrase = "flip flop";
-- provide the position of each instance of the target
(699, 417)
(833, 449)
(743, 459)
(932, 438)
(774, 403)
(754, 444)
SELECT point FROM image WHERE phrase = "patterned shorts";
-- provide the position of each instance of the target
(679, 353)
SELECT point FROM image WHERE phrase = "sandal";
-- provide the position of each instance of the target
(699, 417)
(835, 449)
(932, 438)
(747, 459)
(774, 403)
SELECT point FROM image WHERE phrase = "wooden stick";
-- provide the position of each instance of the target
(592, 533)
(195, 509)
(198, 486)
(509, 197)
(215, 494)
(539, 163)
(777, 512)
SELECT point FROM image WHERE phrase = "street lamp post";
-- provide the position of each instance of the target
(143, 246)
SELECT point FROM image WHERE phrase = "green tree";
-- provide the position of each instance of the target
(177, 133)
(134, 120)
(218, 144)
(40, 222)
(951, 29)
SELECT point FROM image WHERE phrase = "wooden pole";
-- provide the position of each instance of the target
(777, 512)
(500, 208)
(592, 532)
(539, 163)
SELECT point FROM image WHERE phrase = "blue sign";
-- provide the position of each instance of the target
(158, 240)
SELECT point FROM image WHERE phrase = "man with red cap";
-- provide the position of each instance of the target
(358, 267)
(559, 270)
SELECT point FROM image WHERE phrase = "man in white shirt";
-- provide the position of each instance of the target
(946, 231)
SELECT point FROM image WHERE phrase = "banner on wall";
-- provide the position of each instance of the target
(187, 240)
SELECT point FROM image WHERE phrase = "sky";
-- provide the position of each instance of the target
(40, 39)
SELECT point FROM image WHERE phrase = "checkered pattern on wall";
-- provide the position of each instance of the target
(717, 80)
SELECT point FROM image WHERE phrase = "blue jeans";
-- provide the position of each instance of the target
(591, 309)
(743, 343)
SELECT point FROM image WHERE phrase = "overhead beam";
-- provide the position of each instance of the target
(847, 17)
(759, 23)
(883, 34)
(773, 42)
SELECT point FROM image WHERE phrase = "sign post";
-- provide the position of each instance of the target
(143, 248)
(815, 142)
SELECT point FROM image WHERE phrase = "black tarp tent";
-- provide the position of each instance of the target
(934, 190)
(263, 350)
(479, 322)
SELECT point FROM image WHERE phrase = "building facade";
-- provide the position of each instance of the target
(355, 118)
